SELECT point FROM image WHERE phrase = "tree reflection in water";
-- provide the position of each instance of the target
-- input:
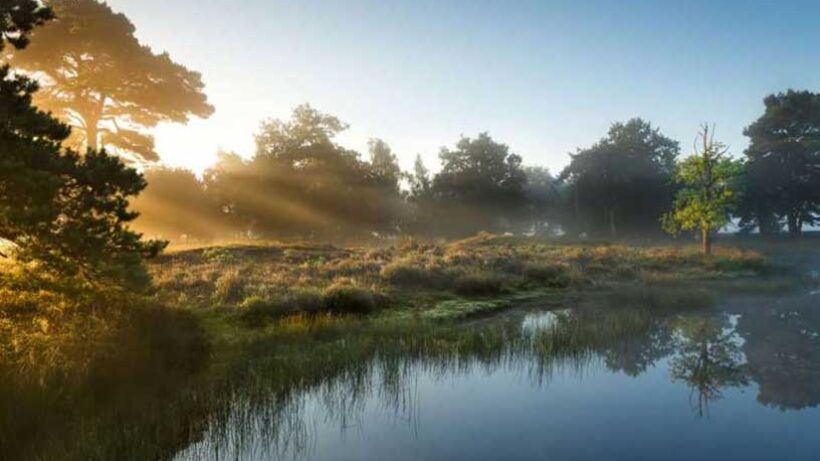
(707, 358)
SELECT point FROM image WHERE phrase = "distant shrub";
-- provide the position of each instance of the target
(305, 301)
(550, 275)
(409, 274)
(228, 287)
(342, 298)
(219, 255)
(478, 284)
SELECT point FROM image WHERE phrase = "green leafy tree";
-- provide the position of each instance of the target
(480, 187)
(97, 77)
(783, 180)
(65, 212)
(623, 183)
(708, 190)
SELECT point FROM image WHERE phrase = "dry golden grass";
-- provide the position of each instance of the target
(484, 265)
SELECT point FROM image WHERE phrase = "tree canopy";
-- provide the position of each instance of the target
(480, 186)
(302, 183)
(97, 77)
(783, 179)
(623, 183)
(708, 190)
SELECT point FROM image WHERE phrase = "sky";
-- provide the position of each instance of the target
(542, 77)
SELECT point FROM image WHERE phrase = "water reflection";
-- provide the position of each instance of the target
(576, 383)
(751, 343)
(708, 358)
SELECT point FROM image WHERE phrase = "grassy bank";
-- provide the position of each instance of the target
(263, 283)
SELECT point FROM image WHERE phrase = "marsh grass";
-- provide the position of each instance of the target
(483, 266)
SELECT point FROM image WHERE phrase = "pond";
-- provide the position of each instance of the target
(738, 381)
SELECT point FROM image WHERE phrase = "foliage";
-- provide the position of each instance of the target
(108, 86)
(65, 212)
(623, 183)
(301, 183)
(346, 298)
(708, 191)
(18, 18)
(783, 179)
(480, 187)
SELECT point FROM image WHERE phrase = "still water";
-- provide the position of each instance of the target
(737, 382)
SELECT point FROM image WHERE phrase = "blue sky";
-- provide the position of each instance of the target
(543, 77)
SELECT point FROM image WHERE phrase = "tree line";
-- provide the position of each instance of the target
(633, 182)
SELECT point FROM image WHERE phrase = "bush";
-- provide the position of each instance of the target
(308, 301)
(229, 287)
(478, 284)
(551, 275)
(219, 255)
(341, 298)
(408, 274)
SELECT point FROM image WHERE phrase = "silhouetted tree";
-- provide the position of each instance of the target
(18, 18)
(623, 183)
(480, 187)
(420, 182)
(98, 78)
(66, 212)
(783, 180)
(708, 190)
(385, 178)
(301, 183)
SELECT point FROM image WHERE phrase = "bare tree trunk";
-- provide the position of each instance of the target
(707, 241)
(794, 224)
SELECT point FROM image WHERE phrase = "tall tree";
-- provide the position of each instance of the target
(97, 77)
(623, 183)
(708, 190)
(384, 166)
(783, 181)
(480, 186)
(66, 212)
(384, 184)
